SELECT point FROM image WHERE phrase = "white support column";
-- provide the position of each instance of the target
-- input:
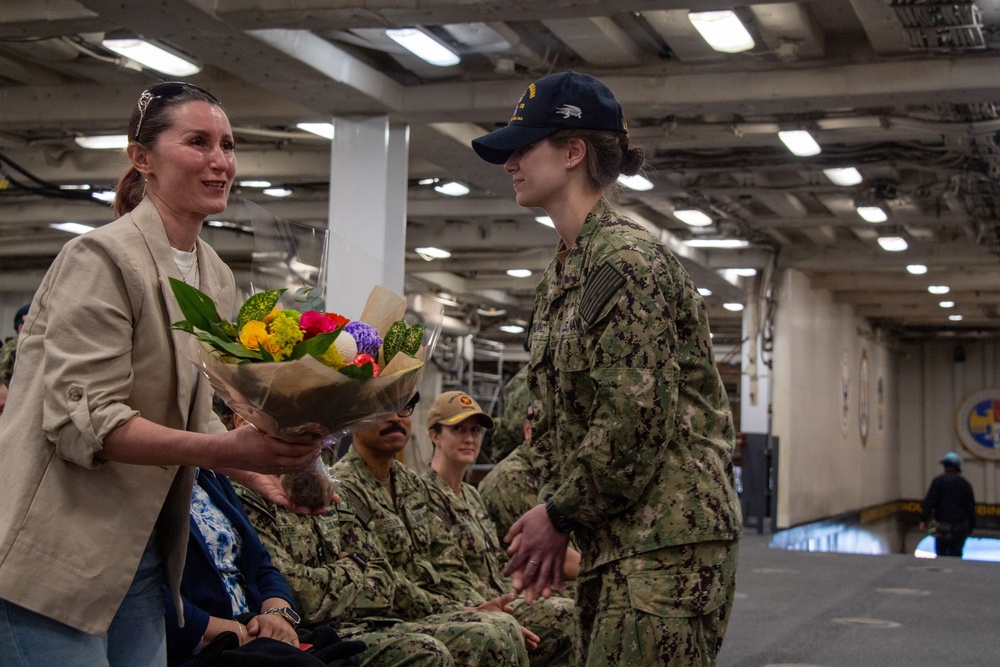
(367, 216)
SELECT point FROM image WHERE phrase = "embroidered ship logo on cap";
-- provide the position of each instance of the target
(568, 110)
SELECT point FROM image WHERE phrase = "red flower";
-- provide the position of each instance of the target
(314, 323)
(362, 359)
(338, 320)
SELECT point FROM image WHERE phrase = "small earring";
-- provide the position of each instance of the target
(569, 164)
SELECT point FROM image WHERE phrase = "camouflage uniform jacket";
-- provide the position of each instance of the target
(306, 549)
(633, 418)
(469, 522)
(431, 574)
(509, 432)
(7, 355)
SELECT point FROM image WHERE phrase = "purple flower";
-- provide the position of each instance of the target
(367, 337)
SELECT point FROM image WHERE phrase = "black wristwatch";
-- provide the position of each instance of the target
(560, 521)
(286, 613)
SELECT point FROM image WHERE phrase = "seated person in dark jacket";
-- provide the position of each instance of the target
(229, 583)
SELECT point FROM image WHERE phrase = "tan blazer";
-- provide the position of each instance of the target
(96, 350)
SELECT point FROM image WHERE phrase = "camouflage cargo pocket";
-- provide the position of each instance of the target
(675, 593)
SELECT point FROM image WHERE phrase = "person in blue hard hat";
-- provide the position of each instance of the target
(952, 504)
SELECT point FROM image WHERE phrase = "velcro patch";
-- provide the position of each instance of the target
(363, 513)
(602, 285)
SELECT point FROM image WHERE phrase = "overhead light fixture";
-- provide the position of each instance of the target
(955, 318)
(844, 176)
(452, 189)
(938, 289)
(873, 214)
(545, 220)
(277, 192)
(745, 273)
(947, 304)
(153, 56)
(254, 184)
(72, 227)
(431, 252)
(324, 130)
(893, 243)
(104, 195)
(637, 182)
(103, 142)
(704, 291)
(519, 273)
(723, 30)
(735, 307)
(717, 243)
(428, 181)
(491, 312)
(512, 329)
(800, 142)
(693, 217)
(916, 269)
(423, 46)
(82, 186)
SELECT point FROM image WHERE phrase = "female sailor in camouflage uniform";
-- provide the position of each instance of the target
(634, 421)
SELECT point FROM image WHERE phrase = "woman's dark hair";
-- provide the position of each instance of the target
(153, 114)
(608, 155)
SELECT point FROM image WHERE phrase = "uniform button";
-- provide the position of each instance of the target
(75, 394)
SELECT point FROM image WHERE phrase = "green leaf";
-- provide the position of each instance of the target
(258, 306)
(315, 346)
(265, 355)
(184, 326)
(226, 346)
(310, 301)
(363, 372)
(198, 307)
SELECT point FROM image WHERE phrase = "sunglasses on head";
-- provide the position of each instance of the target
(407, 409)
(165, 91)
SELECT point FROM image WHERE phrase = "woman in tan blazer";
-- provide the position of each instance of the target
(107, 419)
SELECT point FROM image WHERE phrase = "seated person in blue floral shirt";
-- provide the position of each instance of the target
(229, 583)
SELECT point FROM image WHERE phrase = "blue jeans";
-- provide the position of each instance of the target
(136, 638)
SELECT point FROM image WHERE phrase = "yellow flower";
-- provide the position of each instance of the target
(270, 316)
(285, 333)
(253, 334)
(332, 358)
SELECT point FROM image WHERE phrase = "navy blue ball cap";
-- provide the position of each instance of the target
(565, 101)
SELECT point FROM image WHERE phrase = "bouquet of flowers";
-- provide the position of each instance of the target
(298, 374)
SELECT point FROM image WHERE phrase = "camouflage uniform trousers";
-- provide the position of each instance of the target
(666, 607)
(554, 621)
(473, 638)
(400, 649)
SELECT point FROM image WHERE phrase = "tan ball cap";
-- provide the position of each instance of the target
(453, 407)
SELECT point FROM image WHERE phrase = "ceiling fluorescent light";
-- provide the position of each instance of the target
(324, 130)
(431, 252)
(723, 30)
(255, 184)
(637, 182)
(519, 273)
(545, 220)
(82, 186)
(845, 176)
(717, 243)
(893, 243)
(103, 141)
(733, 306)
(799, 142)
(955, 318)
(152, 56)
(692, 217)
(512, 329)
(704, 291)
(916, 269)
(452, 189)
(422, 45)
(873, 214)
(946, 304)
(104, 195)
(72, 227)
(938, 289)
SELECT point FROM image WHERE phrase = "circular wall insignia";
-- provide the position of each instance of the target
(863, 398)
(977, 424)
